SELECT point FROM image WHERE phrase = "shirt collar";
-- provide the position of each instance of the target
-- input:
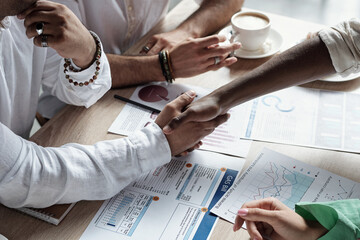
(5, 23)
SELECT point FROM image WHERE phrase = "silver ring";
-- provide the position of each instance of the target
(146, 49)
(216, 60)
(44, 41)
(39, 28)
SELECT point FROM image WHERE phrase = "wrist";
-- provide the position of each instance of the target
(316, 230)
(155, 68)
(89, 54)
(221, 100)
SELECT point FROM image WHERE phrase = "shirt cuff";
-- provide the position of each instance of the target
(338, 217)
(152, 147)
(88, 95)
(343, 43)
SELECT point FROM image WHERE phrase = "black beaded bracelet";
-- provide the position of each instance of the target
(68, 65)
(165, 63)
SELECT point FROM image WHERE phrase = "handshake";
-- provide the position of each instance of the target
(184, 130)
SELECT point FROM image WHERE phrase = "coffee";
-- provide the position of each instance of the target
(250, 21)
(251, 29)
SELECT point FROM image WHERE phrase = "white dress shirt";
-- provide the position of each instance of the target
(121, 23)
(31, 175)
(343, 43)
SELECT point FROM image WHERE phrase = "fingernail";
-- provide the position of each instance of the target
(237, 45)
(191, 93)
(243, 212)
(167, 129)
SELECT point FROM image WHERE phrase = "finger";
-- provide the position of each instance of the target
(259, 215)
(238, 223)
(222, 50)
(269, 203)
(47, 30)
(210, 40)
(212, 60)
(38, 16)
(179, 120)
(37, 6)
(183, 100)
(252, 230)
(183, 154)
(155, 49)
(147, 46)
(225, 63)
(212, 124)
(196, 146)
(49, 40)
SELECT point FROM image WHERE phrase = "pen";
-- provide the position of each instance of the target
(136, 103)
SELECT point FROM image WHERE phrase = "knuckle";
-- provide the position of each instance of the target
(216, 38)
(61, 7)
(190, 111)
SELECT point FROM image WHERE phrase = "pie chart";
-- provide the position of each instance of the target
(153, 93)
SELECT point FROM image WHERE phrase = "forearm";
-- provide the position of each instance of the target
(303, 63)
(134, 70)
(211, 15)
(40, 177)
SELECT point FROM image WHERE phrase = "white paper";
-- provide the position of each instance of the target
(170, 202)
(306, 117)
(275, 175)
(225, 138)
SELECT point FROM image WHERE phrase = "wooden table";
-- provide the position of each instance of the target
(87, 126)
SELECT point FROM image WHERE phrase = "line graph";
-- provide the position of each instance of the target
(275, 180)
(343, 192)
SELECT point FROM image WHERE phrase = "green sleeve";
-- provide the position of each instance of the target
(340, 218)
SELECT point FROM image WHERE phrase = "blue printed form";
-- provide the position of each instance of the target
(170, 202)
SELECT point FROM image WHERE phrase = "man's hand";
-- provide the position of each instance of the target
(195, 56)
(166, 41)
(205, 109)
(65, 33)
(270, 218)
(188, 135)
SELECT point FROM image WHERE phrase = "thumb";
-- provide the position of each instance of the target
(184, 99)
(180, 103)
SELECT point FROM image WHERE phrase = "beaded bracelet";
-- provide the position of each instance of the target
(166, 67)
(68, 64)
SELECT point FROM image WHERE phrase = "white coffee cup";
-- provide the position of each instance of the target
(251, 29)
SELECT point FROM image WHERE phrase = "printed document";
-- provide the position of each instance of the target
(306, 117)
(225, 138)
(169, 202)
(275, 175)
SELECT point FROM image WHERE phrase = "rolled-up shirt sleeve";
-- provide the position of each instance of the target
(34, 176)
(341, 218)
(55, 81)
(343, 43)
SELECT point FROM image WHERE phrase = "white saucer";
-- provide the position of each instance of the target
(339, 78)
(271, 46)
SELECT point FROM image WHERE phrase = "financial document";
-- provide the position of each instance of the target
(275, 175)
(306, 117)
(225, 138)
(169, 202)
